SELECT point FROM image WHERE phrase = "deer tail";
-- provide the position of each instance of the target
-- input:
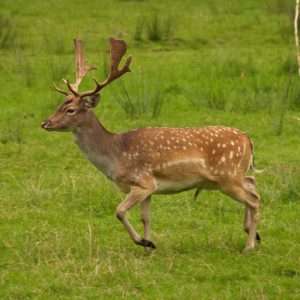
(252, 168)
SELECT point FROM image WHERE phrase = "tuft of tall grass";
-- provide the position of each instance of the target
(25, 67)
(285, 29)
(55, 43)
(288, 98)
(12, 133)
(289, 65)
(283, 7)
(57, 67)
(159, 29)
(8, 32)
(143, 97)
(139, 28)
(228, 84)
(290, 187)
(209, 93)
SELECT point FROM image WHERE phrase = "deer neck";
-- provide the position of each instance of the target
(98, 145)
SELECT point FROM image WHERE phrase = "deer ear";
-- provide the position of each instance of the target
(92, 101)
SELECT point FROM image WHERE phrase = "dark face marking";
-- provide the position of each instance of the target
(67, 101)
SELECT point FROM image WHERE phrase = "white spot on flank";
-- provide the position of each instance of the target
(232, 143)
(219, 145)
(224, 145)
(197, 161)
(214, 151)
(184, 148)
(231, 155)
(223, 159)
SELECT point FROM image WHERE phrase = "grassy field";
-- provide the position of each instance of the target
(195, 63)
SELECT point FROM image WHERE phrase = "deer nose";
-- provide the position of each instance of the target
(44, 124)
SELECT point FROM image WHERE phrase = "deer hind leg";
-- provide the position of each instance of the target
(250, 185)
(251, 200)
(250, 181)
(136, 195)
(145, 214)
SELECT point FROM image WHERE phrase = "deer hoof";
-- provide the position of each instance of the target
(248, 249)
(258, 237)
(146, 244)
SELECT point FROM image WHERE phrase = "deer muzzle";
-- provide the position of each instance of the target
(44, 124)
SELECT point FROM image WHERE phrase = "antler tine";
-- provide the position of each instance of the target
(71, 87)
(60, 90)
(117, 50)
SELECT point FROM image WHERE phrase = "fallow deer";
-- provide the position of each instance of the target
(158, 160)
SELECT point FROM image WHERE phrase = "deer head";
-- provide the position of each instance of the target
(71, 113)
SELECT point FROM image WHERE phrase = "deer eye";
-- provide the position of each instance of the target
(71, 111)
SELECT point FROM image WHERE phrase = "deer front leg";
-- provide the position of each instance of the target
(136, 195)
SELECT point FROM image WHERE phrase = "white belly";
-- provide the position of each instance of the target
(170, 187)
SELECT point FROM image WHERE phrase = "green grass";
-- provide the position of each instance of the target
(226, 62)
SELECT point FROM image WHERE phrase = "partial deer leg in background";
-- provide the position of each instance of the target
(197, 192)
(136, 195)
(145, 214)
(250, 184)
(240, 193)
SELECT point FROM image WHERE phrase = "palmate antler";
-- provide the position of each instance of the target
(117, 51)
